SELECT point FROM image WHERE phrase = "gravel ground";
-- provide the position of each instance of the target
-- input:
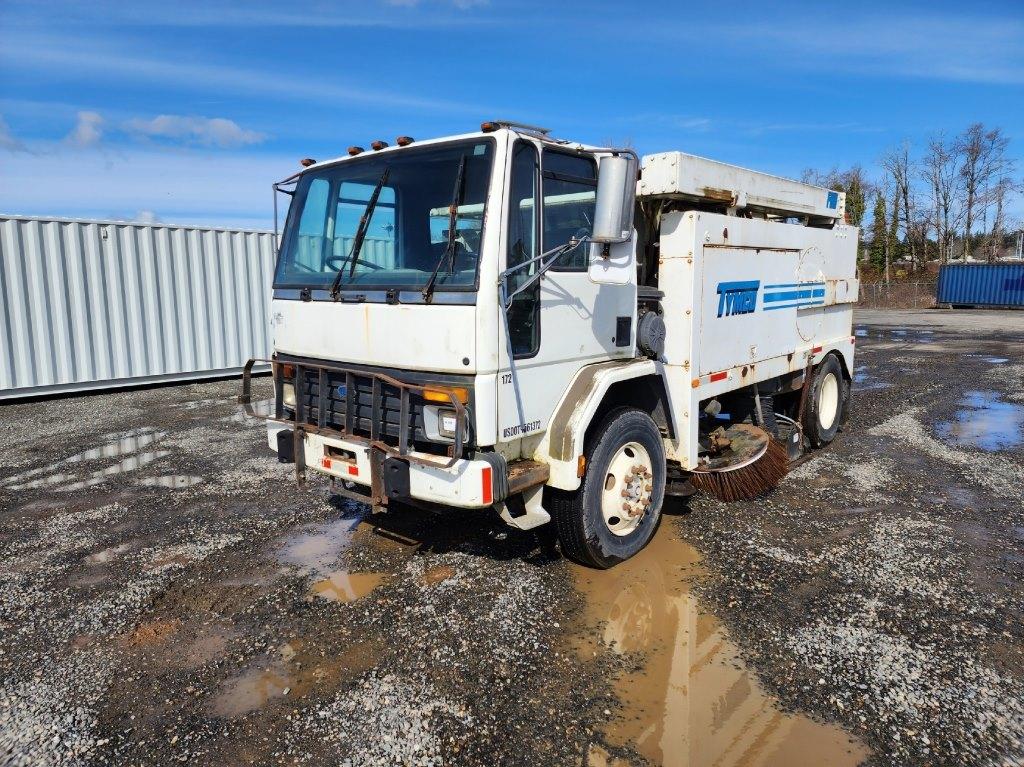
(881, 585)
(167, 595)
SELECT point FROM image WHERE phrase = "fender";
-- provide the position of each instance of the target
(562, 444)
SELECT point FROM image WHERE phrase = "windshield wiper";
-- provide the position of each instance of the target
(453, 220)
(357, 241)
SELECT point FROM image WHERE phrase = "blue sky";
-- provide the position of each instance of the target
(188, 111)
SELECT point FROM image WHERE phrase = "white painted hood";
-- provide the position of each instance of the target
(436, 338)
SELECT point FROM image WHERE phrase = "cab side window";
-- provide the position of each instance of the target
(524, 313)
(570, 194)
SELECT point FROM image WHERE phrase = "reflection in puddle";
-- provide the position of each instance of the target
(251, 690)
(986, 422)
(106, 555)
(343, 586)
(316, 548)
(127, 444)
(70, 482)
(171, 480)
(261, 409)
(990, 359)
(692, 703)
(864, 380)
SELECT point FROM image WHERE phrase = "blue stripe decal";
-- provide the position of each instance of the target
(793, 295)
(795, 285)
(795, 306)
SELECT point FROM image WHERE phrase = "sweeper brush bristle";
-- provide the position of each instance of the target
(746, 482)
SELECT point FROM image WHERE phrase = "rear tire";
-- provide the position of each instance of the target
(827, 401)
(617, 508)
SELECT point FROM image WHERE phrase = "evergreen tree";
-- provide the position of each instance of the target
(879, 233)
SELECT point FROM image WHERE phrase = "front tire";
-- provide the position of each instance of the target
(617, 508)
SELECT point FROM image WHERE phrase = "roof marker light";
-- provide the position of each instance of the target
(354, 150)
(488, 127)
(378, 145)
(404, 140)
(305, 162)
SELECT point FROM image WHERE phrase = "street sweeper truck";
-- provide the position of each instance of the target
(561, 333)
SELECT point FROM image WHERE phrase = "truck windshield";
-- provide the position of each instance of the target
(408, 230)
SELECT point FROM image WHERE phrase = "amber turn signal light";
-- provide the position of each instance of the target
(438, 394)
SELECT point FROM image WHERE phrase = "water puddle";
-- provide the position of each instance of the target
(297, 671)
(261, 409)
(200, 403)
(316, 548)
(172, 481)
(861, 332)
(992, 360)
(131, 445)
(692, 703)
(985, 421)
(864, 380)
(438, 574)
(343, 586)
(250, 690)
(109, 554)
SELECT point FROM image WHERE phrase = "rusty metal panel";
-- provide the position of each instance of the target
(88, 304)
(982, 284)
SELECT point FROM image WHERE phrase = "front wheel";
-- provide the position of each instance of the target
(617, 507)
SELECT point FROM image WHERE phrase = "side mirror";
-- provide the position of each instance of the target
(616, 196)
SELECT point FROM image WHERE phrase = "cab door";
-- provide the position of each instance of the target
(563, 322)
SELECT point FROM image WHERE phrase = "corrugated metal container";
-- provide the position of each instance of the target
(981, 284)
(94, 304)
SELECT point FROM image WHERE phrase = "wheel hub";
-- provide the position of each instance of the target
(628, 488)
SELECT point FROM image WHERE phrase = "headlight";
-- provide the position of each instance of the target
(288, 395)
(446, 422)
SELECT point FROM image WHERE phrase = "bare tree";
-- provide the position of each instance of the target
(900, 168)
(942, 172)
(984, 163)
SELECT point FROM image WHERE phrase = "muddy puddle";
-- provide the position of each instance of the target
(315, 549)
(985, 421)
(298, 671)
(343, 586)
(691, 703)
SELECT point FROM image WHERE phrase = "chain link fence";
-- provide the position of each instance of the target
(897, 295)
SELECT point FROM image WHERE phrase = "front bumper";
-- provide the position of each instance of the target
(466, 483)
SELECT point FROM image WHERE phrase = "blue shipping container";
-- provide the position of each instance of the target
(982, 284)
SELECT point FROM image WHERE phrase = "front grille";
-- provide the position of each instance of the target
(362, 404)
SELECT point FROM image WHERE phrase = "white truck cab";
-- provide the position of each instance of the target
(507, 320)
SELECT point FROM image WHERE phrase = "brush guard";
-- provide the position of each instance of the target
(380, 450)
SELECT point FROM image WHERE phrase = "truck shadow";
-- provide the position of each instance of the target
(480, 533)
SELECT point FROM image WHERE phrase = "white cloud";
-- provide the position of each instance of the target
(205, 131)
(70, 56)
(7, 139)
(88, 130)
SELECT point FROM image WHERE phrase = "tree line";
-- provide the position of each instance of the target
(944, 202)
